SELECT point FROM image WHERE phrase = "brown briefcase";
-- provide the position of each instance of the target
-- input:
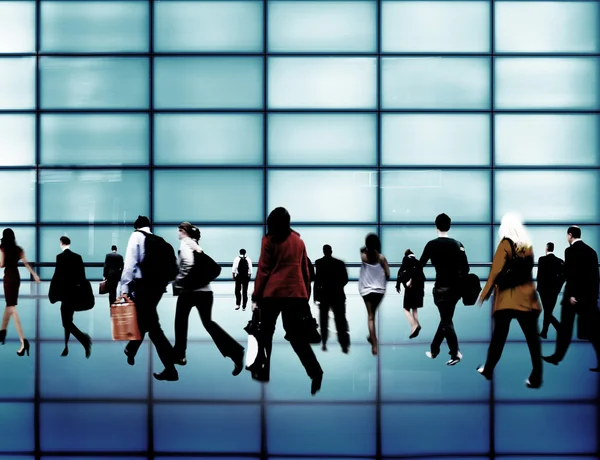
(123, 320)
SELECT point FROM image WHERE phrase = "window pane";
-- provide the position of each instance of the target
(574, 434)
(548, 196)
(176, 427)
(345, 241)
(94, 83)
(547, 140)
(284, 422)
(17, 140)
(17, 189)
(435, 83)
(17, 27)
(447, 420)
(217, 26)
(435, 26)
(77, 427)
(17, 83)
(322, 139)
(397, 239)
(20, 381)
(94, 139)
(208, 196)
(547, 83)
(208, 83)
(215, 139)
(99, 26)
(300, 191)
(419, 196)
(93, 196)
(319, 83)
(326, 26)
(17, 429)
(546, 27)
(459, 140)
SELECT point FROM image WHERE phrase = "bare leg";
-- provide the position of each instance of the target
(415, 313)
(411, 320)
(18, 326)
(371, 324)
(5, 317)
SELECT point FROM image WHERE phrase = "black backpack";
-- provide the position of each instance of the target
(471, 288)
(243, 267)
(204, 271)
(159, 266)
(516, 271)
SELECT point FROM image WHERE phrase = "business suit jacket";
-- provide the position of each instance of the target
(113, 266)
(582, 277)
(550, 277)
(69, 272)
(330, 278)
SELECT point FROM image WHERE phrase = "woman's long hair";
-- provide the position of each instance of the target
(512, 227)
(8, 240)
(278, 224)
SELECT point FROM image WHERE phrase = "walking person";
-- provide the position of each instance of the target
(411, 269)
(550, 279)
(241, 273)
(113, 268)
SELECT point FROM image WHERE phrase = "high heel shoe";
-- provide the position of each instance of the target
(25, 348)
(2, 336)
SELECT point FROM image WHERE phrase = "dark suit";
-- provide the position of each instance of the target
(113, 267)
(69, 272)
(550, 279)
(583, 282)
(330, 278)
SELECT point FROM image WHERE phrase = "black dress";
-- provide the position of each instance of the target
(12, 279)
(411, 269)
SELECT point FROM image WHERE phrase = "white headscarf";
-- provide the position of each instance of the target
(512, 227)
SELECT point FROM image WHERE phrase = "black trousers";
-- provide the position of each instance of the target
(529, 324)
(66, 315)
(203, 301)
(292, 311)
(548, 303)
(146, 304)
(241, 290)
(112, 285)
(445, 299)
(590, 316)
(338, 307)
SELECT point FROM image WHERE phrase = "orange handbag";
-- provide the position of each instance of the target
(123, 320)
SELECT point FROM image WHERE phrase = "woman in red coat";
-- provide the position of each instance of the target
(282, 285)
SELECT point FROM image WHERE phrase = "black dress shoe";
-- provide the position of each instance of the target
(595, 369)
(238, 365)
(2, 336)
(416, 333)
(88, 347)
(65, 352)
(543, 335)
(552, 359)
(169, 375)
(534, 385)
(130, 358)
(180, 361)
(315, 386)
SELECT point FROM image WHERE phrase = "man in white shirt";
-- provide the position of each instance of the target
(241, 272)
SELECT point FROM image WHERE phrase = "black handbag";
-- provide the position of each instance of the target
(204, 270)
(83, 296)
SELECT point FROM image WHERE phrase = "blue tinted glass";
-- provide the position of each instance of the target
(533, 428)
(547, 83)
(547, 27)
(397, 239)
(435, 83)
(211, 139)
(543, 140)
(329, 26)
(548, 196)
(86, 140)
(408, 375)
(350, 377)
(458, 140)
(26, 239)
(419, 196)
(17, 139)
(69, 427)
(322, 139)
(176, 427)
(206, 364)
(17, 189)
(345, 241)
(299, 191)
(208, 196)
(324, 425)
(93, 196)
(17, 429)
(96, 381)
(414, 421)
(217, 26)
(333, 83)
(440, 26)
(94, 83)
(208, 82)
(17, 27)
(100, 26)
(17, 83)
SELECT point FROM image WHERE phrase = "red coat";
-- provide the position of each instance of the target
(282, 270)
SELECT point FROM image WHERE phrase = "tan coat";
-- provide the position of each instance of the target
(521, 298)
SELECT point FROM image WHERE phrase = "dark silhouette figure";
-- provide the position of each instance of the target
(113, 267)
(241, 273)
(411, 269)
(550, 279)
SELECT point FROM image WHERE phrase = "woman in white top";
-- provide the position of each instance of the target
(372, 282)
(202, 299)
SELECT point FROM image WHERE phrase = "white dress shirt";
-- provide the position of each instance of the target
(134, 255)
